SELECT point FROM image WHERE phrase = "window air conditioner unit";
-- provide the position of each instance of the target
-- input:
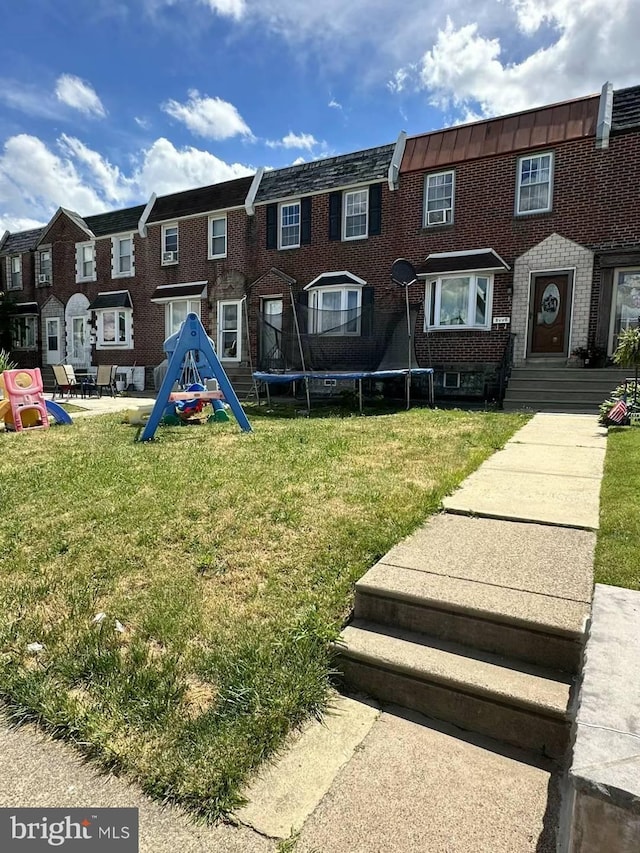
(436, 217)
(43, 278)
(169, 257)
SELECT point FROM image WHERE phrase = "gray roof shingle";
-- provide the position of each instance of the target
(201, 200)
(324, 175)
(115, 221)
(626, 109)
(21, 241)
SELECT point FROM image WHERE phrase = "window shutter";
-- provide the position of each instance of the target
(302, 307)
(366, 324)
(375, 209)
(272, 226)
(335, 215)
(305, 221)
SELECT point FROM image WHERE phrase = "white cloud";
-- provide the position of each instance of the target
(594, 42)
(28, 99)
(35, 180)
(75, 93)
(334, 104)
(143, 123)
(211, 118)
(227, 8)
(304, 141)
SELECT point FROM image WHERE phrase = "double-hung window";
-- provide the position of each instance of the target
(176, 313)
(14, 279)
(169, 244)
(114, 328)
(122, 263)
(45, 267)
(535, 183)
(85, 262)
(438, 199)
(289, 225)
(355, 219)
(217, 237)
(336, 310)
(459, 302)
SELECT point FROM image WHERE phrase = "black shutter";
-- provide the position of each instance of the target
(335, 215)
(272, 226)
(302, 308)
(305, 221)
(375, 209)
(366, 324)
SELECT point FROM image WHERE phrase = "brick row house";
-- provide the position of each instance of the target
(524, 232)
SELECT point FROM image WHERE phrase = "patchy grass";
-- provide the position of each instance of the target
(229, 560)
(617, 558)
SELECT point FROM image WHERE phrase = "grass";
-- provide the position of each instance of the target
(618, 546)
(229, 560)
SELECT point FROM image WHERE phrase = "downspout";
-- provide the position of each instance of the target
(393, 175)
(249, 202)
(146, 213)
(605, 113)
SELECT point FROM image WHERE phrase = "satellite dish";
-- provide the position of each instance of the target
(403, 273)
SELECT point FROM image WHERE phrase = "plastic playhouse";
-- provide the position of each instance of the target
(192, 364)
(23, 405)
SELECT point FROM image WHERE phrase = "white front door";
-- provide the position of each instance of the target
(230, 331)
(53, 341)
(78, 336)
(271, 357)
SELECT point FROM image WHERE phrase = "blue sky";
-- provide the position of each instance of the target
(104, 101)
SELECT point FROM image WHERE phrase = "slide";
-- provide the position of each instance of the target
(59, 414)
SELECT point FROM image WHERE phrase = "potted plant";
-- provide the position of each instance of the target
(627, 353)
(581, 353)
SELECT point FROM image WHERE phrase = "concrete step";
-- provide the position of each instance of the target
(518, 704)
(608, 374)
(539, 629)
(585, 395)
(602, 386)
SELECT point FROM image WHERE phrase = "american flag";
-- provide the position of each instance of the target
(619, 412)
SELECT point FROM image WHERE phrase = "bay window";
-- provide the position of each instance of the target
(458, 302)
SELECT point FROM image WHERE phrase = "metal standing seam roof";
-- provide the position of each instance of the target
(480, 260)
(518, 132)
(201, 200)
(22, 241)
(359, 167)
(193, 289)
(626, 109)
(113, 299)
(115, 221)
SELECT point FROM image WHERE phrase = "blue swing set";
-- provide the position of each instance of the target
(191, 349)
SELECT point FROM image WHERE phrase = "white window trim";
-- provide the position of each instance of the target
(437, 284)
(79, 261)
(34, 319)
(238, 356)
(344, 214)
(549, 207)
(39, 270)
(343, 289)
(614, 294)
(100, 341)
(425, 222)
(115, 256)
(163, 250)
(10, 261)
(194, 306)
(211, 220)
(281, 206)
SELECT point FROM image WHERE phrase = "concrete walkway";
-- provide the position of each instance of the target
(395, 781)
(102, 405)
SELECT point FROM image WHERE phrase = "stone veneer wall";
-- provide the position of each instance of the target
(553, 253)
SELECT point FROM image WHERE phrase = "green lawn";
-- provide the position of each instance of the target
(229, 560)
(617, 559)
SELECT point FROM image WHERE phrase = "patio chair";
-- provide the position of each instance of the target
(65, 380)
(106, 378)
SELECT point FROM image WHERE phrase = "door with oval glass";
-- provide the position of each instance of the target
(549, 314)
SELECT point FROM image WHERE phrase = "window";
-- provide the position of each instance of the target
(14, 279)
(356, 214)
(85, 262)
(217, 237)
(336, 310)
(458, 302)
(122, 263)
(45, 266)
(176, 313)
(24, 332)
(229, 331)
(625, 308)
(289, 230)
(169, 244)
(535, 181)
(114, 328)
(438, 199)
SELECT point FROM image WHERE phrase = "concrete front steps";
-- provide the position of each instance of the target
(479, 623)
(557, 389)
(242, 381)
